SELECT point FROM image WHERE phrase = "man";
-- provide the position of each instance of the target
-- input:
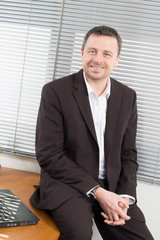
(85, 145)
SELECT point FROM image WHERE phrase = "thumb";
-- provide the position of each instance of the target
(123, 214)
(123, 202)
(123, 205)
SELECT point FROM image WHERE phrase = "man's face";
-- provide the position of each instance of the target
(99, 57)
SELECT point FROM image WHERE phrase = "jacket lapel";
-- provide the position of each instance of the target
(81, 96)
(113, 108)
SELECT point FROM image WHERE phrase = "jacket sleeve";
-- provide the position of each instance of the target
(50, 150)
(127, 181)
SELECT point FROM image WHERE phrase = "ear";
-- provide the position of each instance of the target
(117, 60)
(81, 52)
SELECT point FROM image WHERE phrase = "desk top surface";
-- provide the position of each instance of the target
(21, 184)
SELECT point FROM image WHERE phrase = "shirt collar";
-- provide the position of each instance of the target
(107, 91)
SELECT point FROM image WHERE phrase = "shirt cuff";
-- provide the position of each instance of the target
(131, 199)
(91, 190)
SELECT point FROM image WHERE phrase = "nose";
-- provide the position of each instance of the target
(98, 58)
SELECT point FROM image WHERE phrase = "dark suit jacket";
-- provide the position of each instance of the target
(66, 143)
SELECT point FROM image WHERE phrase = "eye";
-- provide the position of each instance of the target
(92, 52)
(107, 55)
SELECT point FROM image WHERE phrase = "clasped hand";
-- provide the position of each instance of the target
(114, 207)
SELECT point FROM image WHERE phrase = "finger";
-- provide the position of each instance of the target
(123, 214)
(112, 216)
(119, 222)
(123, 208)
(121, 205)
(124, 202)
(105, 215)
(109, 215)
(115, 217)
(115, 223)
(108, 222)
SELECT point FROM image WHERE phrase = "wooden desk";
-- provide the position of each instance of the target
(21, 184)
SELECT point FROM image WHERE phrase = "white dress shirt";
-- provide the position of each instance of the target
(98, 106)
(99, 109)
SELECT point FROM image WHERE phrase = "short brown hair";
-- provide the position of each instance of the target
(103, 31)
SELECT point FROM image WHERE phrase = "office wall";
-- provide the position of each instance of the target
(148, 194)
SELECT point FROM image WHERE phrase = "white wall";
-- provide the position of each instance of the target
(148, 194)
(19, 162)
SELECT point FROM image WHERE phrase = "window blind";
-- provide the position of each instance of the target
(138, 24)
(48, 36)
(29, 32)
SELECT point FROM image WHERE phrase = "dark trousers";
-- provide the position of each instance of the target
(74, 220)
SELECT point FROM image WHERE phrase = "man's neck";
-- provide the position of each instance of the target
(98, 86)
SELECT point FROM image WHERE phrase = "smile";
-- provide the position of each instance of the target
(97, 68)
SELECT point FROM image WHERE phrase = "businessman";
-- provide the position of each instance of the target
(85, 145)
